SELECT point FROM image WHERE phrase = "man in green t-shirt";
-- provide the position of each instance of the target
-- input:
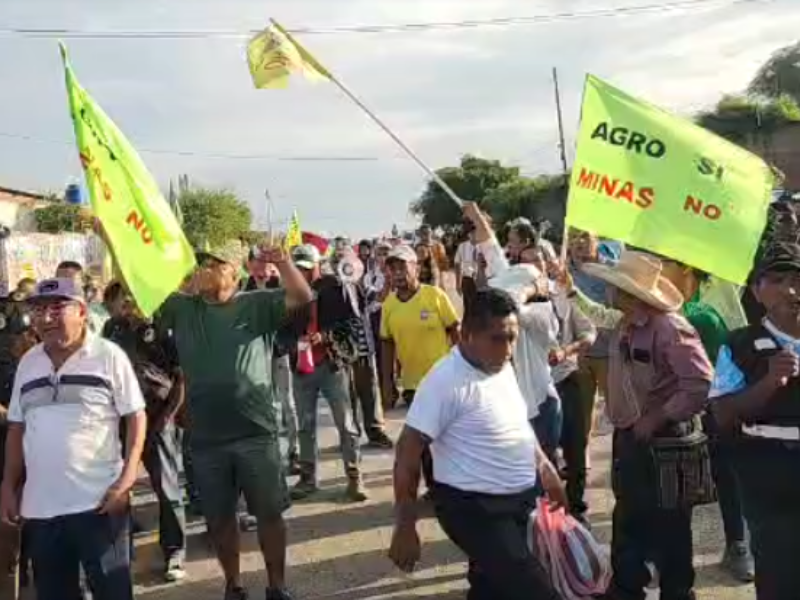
(224, 339)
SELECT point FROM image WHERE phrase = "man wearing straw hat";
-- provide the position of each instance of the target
(658, 382)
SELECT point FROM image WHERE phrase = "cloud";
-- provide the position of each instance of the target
(486, 91)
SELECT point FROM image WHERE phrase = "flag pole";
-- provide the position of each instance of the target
(435, 176)
(563, 155)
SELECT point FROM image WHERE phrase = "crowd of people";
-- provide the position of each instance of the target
(224, 382)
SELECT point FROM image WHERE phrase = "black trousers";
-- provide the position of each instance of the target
(575, 427)
(769, 471)
(642, 531)
(427, 457)
(366, 397)
(493, 532)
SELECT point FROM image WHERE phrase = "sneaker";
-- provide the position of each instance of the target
(235, 592)
(294, 464)
(380, 441)
(304, 488)
(174, 571)
(278, 594)
(356, 490)
(738, 562)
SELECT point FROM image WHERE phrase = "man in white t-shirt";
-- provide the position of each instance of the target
(65, 475)
(467, 261)
(469, 410)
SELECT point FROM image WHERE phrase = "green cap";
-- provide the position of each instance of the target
(231, 252)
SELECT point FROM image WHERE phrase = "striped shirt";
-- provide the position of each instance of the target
(71, 441)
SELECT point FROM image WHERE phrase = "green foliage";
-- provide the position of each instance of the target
(62, 217)
(213, 216)
(472, 180)
(500, 190)
(780, 75)
(741, 119)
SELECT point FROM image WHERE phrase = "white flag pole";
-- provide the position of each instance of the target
(447, 189)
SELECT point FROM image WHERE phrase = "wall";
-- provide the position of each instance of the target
(16, 210)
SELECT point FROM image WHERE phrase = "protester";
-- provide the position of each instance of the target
(576, 334)
(428, 269)
(523, 244)
(365, 255)
(330, 338)
(225, 339)
(70, 483)
(586, 248)
(754, 397)
(377, 284)
(97, 314)
(16, 338)
(713, 332)
(487, 464)
(466, 267)
(418, 327)
(438, 251)
(264, 275)
(154, 356)
(659, 377)
(538, 327)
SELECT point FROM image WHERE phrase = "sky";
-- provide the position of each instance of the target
(483, 90)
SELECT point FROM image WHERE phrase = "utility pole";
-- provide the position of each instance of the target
(561, 144)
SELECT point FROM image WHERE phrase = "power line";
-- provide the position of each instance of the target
(376, 29)
(535, 149)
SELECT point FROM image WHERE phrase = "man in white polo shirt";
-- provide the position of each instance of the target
(65, 475)
(486, 460)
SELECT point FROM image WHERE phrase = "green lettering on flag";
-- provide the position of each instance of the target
(151, 249)
(662, 183)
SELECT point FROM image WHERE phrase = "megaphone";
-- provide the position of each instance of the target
(350, 269)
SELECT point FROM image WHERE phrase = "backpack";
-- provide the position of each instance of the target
(579, 567)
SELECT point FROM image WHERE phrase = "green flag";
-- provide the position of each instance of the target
(152, 252)
(660, 182)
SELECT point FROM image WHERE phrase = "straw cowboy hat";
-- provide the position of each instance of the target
(639, 274)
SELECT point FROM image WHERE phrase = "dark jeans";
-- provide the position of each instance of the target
(728, 490)
(427, 457)
(547, 425)
(769, 472)
(642, 531)
(366, 398)
(188, 468)
(162, 460)
(99, 543)
(493, 532)
(576, 424)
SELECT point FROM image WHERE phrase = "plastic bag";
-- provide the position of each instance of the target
(578, 565)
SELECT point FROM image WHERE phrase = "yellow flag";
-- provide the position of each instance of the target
(273, 54)
(294, 237)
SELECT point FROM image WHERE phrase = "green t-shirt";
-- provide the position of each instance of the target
(709, 324)
(224, 351)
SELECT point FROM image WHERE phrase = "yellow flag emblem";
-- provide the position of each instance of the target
(294, 236)
(274, 54)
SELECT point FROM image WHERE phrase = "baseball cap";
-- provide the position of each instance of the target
(58, 288)
(306, 256)
(403, 253)
(231, 252)
(780, 258)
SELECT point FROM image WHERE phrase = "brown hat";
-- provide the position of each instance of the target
(639, 274)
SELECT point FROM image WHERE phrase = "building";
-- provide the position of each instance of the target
(17, 209)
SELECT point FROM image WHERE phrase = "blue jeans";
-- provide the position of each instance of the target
(334, 385)
(547, 425)
(98, 543)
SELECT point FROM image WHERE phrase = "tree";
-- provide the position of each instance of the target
(61, 217)
(213, 216)
(472, 180)
(780, 75)
(500, 191)
(745, 119)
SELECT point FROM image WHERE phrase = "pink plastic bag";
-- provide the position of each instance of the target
(578, 565)
(305, 358)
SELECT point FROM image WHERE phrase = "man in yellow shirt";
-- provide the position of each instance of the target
(418, 327)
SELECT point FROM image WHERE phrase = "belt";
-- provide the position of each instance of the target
(773, 432)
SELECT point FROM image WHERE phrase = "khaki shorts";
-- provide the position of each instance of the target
(251, 467)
